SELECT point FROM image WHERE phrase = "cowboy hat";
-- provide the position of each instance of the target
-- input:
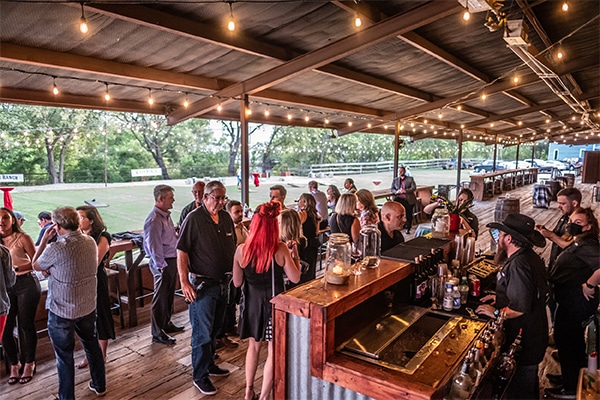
(521, 227)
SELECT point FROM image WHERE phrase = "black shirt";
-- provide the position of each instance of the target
(210, 246)
(388, 242)
(522, 286)
(559, 229)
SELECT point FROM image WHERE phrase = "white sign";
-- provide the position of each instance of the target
(146, 172)
(11, 178)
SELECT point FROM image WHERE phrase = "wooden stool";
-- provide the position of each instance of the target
(114, 275)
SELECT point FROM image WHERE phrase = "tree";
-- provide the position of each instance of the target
(233, 131)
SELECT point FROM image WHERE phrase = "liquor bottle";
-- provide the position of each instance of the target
(506, 368)
(480, 348)
(474, 372)
(476, 365)
(416, 286)
(462, 383)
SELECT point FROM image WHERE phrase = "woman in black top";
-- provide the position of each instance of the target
(90, 223)
(310, 221)
(575, 276)
(343, 219)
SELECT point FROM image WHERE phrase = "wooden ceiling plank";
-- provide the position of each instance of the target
(390, 27)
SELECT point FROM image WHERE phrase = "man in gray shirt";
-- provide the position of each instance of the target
(321, 200)
(71, 264)
(160, 244)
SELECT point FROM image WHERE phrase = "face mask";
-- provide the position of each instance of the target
(575, 229)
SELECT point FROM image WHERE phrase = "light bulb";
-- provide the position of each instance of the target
(248, 111)
(466, 15)
(349, 123)
(560, 55)
(83, 26)
(357, 21)
(267, 113)
(107, 96)
(231, 22)
(186, 102)
(459, 107)
(483, 96)
(516, 79)
(369, 125)
(289, 116)
(565, 6)
(219, 108)
(150, 99)
(326, 120)
(55, 89)
(306, 118)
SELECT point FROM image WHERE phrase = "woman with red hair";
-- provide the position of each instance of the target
(259, 265)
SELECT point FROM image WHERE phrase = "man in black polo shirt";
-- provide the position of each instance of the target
(393, 218)
(204, 255)
(521, 293)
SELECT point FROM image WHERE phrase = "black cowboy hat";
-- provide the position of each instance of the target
(521, 227)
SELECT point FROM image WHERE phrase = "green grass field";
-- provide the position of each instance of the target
(129, 204)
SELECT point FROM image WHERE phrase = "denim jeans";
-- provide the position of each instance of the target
(206, 317)
(62, 334)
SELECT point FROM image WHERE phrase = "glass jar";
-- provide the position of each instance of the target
(370, 240)
(440, 224)
(338, 259)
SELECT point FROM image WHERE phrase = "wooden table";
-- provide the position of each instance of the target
(131, 268)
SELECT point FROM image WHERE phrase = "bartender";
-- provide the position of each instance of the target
(521, 293)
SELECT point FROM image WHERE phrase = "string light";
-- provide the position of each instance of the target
(267, 112)
(560, 54)
(55, 90)
(219, 108)
(326, 121)
(467, 14)
(186, 102)
(565, 6)
(357, 20)
(231, 22)
(369, 125)
(520, 123)
(459, 107)
(150, 99)
(289, 116)
(306, 118)
(349, 123)
(83, 26)
(106, 94)
(516, 79)
(248, 111)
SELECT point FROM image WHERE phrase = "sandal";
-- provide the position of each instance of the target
(12, 380)
(254, 394)
(26, 379)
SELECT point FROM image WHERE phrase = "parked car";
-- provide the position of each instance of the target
(487, 166)
(561, 166)
(453, 163)
(573, 162)
(543, 166)
(513, 164)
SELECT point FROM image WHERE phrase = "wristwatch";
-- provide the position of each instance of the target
(496, 313)
(589, 286)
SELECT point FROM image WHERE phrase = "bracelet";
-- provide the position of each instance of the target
(589, 286)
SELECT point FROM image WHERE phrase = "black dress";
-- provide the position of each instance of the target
(104, 320)
(309, 253)
(255, 307)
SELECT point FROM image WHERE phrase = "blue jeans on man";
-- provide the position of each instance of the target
(207, 313)
(62, 334)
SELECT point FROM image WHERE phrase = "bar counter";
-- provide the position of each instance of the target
(312, 320)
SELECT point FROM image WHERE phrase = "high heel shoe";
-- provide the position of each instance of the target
(27, 379)
(12, 380)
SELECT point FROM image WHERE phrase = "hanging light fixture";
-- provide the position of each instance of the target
(150, 99)
(83, 26)
(219, 108)
(231, 22)
(267, 112)
(106, 94)
(55, 90)
(466, 14)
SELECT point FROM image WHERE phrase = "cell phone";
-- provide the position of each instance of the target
(495, 235)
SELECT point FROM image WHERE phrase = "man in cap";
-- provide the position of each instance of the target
(20, 217)
(521, 293)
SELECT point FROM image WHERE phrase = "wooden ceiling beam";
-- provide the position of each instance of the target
(393, 26)
(75, 63)
(45, 98)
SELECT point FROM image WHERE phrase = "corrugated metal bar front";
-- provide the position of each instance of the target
(300, 384)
